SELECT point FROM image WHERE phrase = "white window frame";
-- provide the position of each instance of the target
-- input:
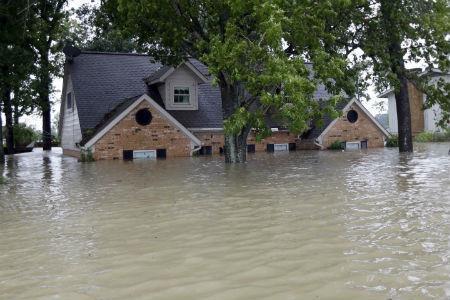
(181, 87)
(280, 147)
(357, 143)
(144, 154)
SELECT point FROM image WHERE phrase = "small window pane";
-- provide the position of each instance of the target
(69, 100)
(181, 95)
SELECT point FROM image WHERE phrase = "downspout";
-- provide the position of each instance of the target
(196, 148)
(319, 144)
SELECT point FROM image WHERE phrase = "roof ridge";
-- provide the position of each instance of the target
(113, 53)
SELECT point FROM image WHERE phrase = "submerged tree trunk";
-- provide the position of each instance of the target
(405, 142)
(8, 120)
(389, 11)
(16, 114)
(236, 147)
(2, 153)
(44, 100)
(235, 144)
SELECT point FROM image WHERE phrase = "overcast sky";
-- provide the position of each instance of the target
(36, 121)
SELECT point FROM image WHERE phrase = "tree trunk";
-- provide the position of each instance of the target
(44, 101)
(405, 142)
(235, 144)
(2, 153)
(16, 114)
(396, 53)
(235, 149)
(8, 120)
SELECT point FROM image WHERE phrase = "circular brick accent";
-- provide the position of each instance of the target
(144, 117)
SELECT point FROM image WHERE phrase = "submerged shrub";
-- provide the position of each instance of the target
(337, 145)
(392, 141)
(24, 135)
(86, 155)
(426, 137)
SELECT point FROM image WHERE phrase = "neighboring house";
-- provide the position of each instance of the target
(125, 106)
(356, 128)
(421, 120)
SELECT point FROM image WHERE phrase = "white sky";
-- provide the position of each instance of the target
(35, 120)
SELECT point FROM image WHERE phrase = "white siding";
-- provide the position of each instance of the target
(181, 77)
(392, 113)
(71, 131)
(433, 114)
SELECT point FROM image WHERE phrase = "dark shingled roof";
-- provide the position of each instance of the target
(102, 81)
(105, 83)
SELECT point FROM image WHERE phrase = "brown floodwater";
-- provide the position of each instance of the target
(299, 225)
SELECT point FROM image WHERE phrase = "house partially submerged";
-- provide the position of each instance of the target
(125, 106)
(422, 120)
(356, 128)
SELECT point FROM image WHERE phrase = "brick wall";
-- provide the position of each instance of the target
(216, 140)
(129, 135)
(211, 138)
(417, 114)
(74, 153)
(362, 129)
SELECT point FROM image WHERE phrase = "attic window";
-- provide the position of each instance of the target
(352, 116)
(69, 100)
(143, 117)
(181, 95)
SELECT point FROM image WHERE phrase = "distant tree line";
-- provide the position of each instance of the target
(255, 50)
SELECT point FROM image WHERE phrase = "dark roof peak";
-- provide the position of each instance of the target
(113, 53)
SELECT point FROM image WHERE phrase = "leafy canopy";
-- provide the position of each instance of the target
(255, 50)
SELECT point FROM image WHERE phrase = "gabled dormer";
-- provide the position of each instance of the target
(178, 86)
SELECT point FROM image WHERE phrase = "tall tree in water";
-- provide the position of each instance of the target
(393, 35)
(48, 30)
(242, 42)
(17, 61)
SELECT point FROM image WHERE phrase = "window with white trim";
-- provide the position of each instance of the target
(281, 147)
(181, 95)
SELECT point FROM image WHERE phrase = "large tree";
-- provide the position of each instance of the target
(48, 30)
(16, 63)
(393, 35)
(244, 45)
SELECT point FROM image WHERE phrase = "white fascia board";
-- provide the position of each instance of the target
(190, 66)
(196, 71)
(385, 94)
(122, 115)
(205, 129)
(385, 132)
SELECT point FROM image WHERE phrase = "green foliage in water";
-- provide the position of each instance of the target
(86, 155)
(337, 145)
(426, 137)
(392, 141)
(24, 135)
(2, 180)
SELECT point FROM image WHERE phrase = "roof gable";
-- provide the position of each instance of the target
(125, 108)
(364, 110)
(165, 72)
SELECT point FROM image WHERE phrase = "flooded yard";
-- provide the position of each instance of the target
(299, 225)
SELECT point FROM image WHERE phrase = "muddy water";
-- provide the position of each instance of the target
(304, 225)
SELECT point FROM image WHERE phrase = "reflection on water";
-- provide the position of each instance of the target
(310, 225)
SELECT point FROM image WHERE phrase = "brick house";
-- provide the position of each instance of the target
(356, 128)
(125, 106)
(422, 120)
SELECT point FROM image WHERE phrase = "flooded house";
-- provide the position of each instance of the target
(126, 106)
(422, 120)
